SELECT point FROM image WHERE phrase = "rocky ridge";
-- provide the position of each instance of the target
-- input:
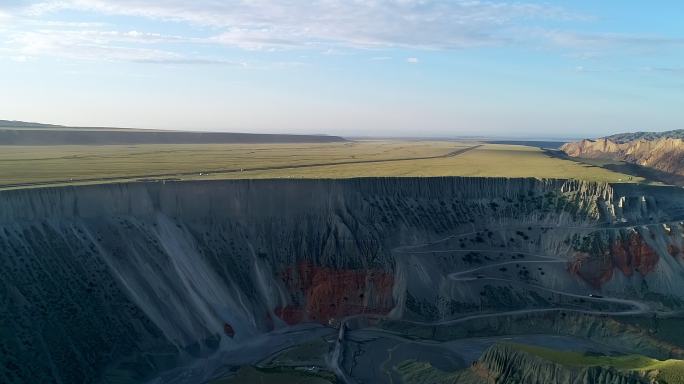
(662, 154)
(505, 364)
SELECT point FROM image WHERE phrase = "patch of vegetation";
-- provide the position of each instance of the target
(472, 257)
(418, 372)
(443, 306)
(308, 354)
(280, 375)
(666, 329)
(595, 243)
(421, 307)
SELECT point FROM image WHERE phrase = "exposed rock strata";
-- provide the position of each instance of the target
(663, 154)
(625, 251)
(323, 294)
(148, 275)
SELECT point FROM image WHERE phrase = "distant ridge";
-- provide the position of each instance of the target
(650, 136)
(26, 133)
(24, 124)
(659, 151)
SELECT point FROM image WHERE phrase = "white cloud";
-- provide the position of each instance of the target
(412, 60)
(4, 18)
(277, 24)
(328, 26)
(94, 45)
(64, 24)
(666, 70)
(607, 40)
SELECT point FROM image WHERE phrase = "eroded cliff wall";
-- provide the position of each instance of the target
(145, 275)
(662, 154)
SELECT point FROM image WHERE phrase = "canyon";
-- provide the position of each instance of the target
(186, 282)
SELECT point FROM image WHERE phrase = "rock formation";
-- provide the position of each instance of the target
(662, 153)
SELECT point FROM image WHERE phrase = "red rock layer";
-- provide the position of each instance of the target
(634, 254)
(674, 250)
(228, 330)
(595, 270)
(322, 293)
(629, 255)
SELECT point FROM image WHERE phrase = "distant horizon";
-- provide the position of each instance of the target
(350, 137)
(437, 68)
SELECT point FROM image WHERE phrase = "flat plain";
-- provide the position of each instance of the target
(54, 165)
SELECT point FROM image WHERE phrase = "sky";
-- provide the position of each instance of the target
(418, 68)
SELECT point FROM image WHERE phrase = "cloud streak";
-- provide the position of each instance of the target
(30, 29)
(271, 24)
(607, 40)
(108, 45)
(5, 18)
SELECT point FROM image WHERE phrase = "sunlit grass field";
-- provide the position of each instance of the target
(489, 160)
(95, 164)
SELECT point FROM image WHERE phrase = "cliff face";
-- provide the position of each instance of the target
(624, 251)
(505, 364)
(663, 154)
(144, 276)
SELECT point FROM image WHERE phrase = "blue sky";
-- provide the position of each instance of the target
(542, 69)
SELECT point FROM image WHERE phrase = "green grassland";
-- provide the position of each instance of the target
(312, 353)
(420, 372)
(668, 371)
(249, 374)
(95, 164)
(489, 160)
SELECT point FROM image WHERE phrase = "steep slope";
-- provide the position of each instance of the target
(664, 154)
(507, 364)
(119, 282)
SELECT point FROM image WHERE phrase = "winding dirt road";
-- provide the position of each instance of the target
(637, 307)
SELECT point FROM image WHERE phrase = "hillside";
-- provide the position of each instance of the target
(662, 152)
(23, 124)
(509, 364)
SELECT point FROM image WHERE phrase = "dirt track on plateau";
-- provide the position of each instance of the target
(454, 153)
